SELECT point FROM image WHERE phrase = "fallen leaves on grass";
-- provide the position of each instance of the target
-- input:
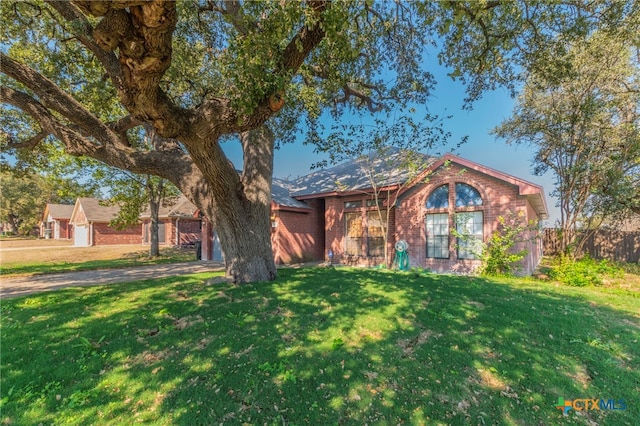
(408, 346)
(188, 321)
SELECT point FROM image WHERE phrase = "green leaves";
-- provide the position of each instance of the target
(582, 115)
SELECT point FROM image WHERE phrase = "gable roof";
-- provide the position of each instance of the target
(181, 207)
(58, 211)
(94, 211)
(533, 192)
(352, 175)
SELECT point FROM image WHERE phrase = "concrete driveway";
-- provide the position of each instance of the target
(20, 286)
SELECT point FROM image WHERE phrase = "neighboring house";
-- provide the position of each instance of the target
(178, 224)
(55, 222)
(333, 210)
(90, 220)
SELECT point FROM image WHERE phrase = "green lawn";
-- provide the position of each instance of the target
(321, 346)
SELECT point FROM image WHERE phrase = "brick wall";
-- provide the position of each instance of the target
(498, 199)
(335, 222)
(103, 234)
(299, 236)
(189, 231)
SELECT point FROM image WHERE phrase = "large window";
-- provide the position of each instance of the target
(470, 227)
(468, 222)
(439, 198)
(353, 234)
(438, 235)
(375, 232)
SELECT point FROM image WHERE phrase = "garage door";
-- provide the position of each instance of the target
(80, 236)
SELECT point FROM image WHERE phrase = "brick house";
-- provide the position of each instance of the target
(333, 211)
(90, 220)
(55, 222)
(178, 224)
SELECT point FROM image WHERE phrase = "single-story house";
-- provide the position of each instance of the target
(178, 224)
(90, 219)
(332, 212)
(55, 222)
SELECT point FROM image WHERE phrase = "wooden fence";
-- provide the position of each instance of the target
(603, 244)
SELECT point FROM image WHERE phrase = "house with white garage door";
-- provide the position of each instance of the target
(90, 219)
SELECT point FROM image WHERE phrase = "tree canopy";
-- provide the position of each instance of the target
(80, 75)
(585, 127)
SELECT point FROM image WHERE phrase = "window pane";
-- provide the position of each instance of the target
(353, 234)
(439, 198)
(437, 227)
(470, 225)
(467, 196)
(352, 204)
(375, 232)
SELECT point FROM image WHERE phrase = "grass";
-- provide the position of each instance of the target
(321, 346)
(43, 260)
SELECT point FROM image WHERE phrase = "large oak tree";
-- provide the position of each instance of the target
(205, 72)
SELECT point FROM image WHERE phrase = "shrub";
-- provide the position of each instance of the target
(583, 272)
(497, 254)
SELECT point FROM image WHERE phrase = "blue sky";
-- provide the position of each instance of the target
(293, 160)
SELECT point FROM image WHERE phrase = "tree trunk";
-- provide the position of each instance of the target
(245, 238)
(238, 205)
(154, 207)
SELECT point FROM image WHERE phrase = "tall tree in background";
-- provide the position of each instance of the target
(203, 72)
(24, 194)
(584, 124)
(137, 193)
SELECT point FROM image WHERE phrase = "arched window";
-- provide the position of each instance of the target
(467, 196)
(439, 198)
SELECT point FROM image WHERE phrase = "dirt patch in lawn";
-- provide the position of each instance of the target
(60, 253)
(14, 243)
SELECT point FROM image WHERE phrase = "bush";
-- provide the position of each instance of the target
(498, 254)
(583, 272)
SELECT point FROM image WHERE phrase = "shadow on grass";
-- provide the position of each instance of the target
(318, 346)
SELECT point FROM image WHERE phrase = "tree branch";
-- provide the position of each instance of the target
(293, 56)
(84, 30)
(51, 96)
(123, 124)
(232, 13)
(142, 32)
(168, 164)
(29, 143)
(75, 143)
